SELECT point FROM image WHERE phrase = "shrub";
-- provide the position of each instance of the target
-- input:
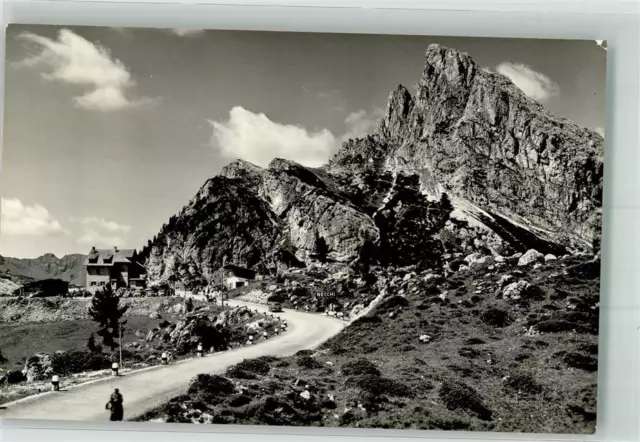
(164, 324)
(432, 289)
(367, 319)
(360, 367)
(524, 384)
(470, 353)
(14, 377)
(379, 386)
(78, 361)
(589, 348)
(238, 400)
(495, 317)
(587, 270)
(210, 384)
(458, 396)
(258, 366)
(582, 361)
(474, 341)
(238, 373)
(308, 362)
(556, 326)
(304, 353)
(392, 303)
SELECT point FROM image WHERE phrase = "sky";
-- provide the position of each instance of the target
(110, 131)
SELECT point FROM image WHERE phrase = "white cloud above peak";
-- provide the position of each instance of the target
(75, 60)
(31, 220)
(255, 138)
(534, 84)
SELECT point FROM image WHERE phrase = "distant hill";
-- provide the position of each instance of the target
(48, 266)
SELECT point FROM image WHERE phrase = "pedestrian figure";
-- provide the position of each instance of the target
(115, 406)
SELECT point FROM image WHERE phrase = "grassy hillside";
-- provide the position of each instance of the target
(485, 362)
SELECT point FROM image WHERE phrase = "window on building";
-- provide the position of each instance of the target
(93, 283)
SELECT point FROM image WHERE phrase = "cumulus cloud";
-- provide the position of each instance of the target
(101, 223)
(186, 32)
(74, 60)
(600, 130)
(255, 138)
(93, 238)
(32, 220)
(534, 84)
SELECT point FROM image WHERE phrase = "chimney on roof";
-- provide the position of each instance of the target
(115, 249)
(93, 249)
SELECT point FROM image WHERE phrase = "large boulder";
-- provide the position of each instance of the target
(38, 367)
(531, 257)
(521, 290)
(477, 261)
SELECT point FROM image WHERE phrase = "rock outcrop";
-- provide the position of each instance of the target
(474, 134)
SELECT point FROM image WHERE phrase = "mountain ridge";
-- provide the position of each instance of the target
(477, 164)
(47, 266)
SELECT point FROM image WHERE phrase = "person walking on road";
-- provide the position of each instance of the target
(115, 406)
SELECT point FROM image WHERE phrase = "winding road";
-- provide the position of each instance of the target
(143, 389)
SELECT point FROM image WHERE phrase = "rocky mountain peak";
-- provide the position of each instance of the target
(515, 177)
(244, 171)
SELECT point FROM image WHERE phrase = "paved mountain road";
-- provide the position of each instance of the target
(146, 388)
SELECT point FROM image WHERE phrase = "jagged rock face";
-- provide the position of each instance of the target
(250, 174)
(309, 207)
(476, 135)
(225, 219)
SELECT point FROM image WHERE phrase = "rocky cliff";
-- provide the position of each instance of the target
(470, 163)
(504, 158)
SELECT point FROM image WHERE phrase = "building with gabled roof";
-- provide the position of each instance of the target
(236, 276)
(115, 267)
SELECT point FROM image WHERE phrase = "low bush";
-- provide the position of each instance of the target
(524, 384)
(257, 366)
(360, 366)
(379, 386)
(392, 303)
(495, 317)
(238, 400)
(210, 385)
(304, 353)
(308, 362)
(78, 361)
(238, 373)
(458, 396)
(581, 361)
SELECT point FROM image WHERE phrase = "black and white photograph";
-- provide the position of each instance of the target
(301, 229)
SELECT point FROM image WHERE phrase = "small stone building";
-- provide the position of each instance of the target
(236, 276)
